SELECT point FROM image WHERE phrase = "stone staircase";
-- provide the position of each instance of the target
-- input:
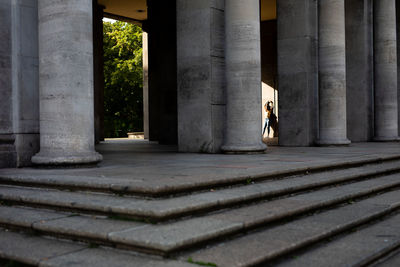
(346, 214)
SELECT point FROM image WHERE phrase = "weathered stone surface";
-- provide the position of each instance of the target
(352, 190)
(159, 208)
(83, 201)
(8, 155)
(105, 257)
(40, 251)
(26, 146)
(273, 210)
(351, 249)
(394, 260)
(167, 208)
(171, 236)
(31, 249)
(385, 71)
(243, 77)
(19, 85)
(359, 70)
(66, 84)
(267, 244)
(5, 68)
(200, 75)
(51, 180)
(84, 227)
(176, 172)
(332, 73)
(26, 217)
(175, 235)
(297, 71)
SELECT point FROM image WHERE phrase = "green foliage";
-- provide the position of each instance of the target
(123, 75)
(190, 260)
(93, 245)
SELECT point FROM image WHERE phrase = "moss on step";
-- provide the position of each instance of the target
(190, 260)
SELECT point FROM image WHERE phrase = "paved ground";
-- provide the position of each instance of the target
(274, 219)
(150, 165)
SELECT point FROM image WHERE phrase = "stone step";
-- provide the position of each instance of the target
(262, 246)
(186, 185)
(281, 239)
(351, 249)
(163, 209)
(393, 259)
(167, 238)
(46, 252)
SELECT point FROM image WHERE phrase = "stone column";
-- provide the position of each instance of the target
(243, 77)
(359, 70)
(66, 83)
(332, 73)
(385, 62)
(298, 72)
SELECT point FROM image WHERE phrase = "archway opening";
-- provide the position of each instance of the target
(123, 80)
(269, 77)
(140, 102)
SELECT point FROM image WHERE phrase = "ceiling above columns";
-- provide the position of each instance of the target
(268, 10)
(137, 9)
(128, 9)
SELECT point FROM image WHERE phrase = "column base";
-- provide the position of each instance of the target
(55, 159)
(386, 139)
(8, 154)
(237, 149)
(340, 142)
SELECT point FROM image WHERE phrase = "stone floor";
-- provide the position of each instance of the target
(340, 198)
(149, 165)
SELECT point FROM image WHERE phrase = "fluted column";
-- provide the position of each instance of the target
(385, 60)
(243, 77)
(332, 73)
(66, 83)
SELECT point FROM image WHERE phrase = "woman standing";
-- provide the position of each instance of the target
(269, 110)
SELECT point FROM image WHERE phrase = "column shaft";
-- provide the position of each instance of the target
(332, 73)
(66, 83)
(243, 77)
(385, 60)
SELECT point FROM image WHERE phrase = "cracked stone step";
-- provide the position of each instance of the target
(162, 209)
(173, 185)
(40, 251)
(164, 238)
(350, 250)
(263, 246)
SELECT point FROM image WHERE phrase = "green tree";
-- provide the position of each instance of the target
(123, 93)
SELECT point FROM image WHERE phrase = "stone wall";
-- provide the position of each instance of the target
(7, 150)
(19, 109)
